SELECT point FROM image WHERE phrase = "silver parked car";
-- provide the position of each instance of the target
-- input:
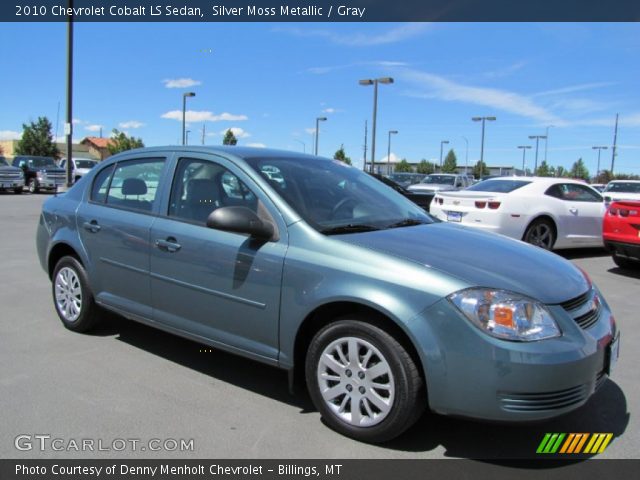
(324, 271)
(441, 182)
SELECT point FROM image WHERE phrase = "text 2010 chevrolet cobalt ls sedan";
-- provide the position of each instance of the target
(326, 272)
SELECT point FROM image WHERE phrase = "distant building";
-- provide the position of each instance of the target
(384, 168)
(97, 146)
(78, 150)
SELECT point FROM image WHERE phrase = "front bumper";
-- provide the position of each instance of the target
(471, 374)
(11, 184)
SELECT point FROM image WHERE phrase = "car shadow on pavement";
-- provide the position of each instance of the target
(605, 412)
(242, 372)
(625, 272)
(575, 253)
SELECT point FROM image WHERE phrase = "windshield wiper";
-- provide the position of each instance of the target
(405, 222)
(349, 228)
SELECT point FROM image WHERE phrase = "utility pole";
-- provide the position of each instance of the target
(69, 125)
(615, 143)
(203, 129)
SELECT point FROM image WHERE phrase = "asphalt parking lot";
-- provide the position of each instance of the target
(128, 381)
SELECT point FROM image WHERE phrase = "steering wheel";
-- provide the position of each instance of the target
(340, 205)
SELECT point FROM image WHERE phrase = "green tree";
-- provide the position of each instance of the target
(480, 169)
(579, 170)
(560, 171)
(425, 167)
(450, 164)
(229, 138)
(403, 166)
(603, 177)
(37, 139)
(342, 156)
(121, 142)
(543, 170)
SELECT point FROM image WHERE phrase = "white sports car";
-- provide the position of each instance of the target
(622, 190)
(552, 213)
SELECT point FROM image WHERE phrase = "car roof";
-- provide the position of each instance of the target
(242, 152)
(539, 180)
(624, 181)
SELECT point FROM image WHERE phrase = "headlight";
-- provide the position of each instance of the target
(40, 175)
(506, 315)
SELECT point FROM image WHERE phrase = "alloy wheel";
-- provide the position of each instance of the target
(68, 292)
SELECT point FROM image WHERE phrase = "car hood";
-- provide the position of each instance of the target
(8, 168)
(480, 259)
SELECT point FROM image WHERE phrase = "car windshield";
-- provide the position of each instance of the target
(38, 162)
(439, 179)
(335, 198)
(626, 187)
(498, 186)
(85, 163)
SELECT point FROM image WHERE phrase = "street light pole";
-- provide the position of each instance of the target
(443, 142)
(374, 82)
(546, 142)
(599, 148)
(537, 139)
(466, 156)
(69, 124)
(184, 113)
(524, 151)
(318, 120)
(482, 119)
(391, 132)
(187, 137)
(304, 145)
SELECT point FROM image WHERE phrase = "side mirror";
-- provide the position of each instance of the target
(240, 220)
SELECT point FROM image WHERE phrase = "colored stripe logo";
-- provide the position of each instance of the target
(572, 443)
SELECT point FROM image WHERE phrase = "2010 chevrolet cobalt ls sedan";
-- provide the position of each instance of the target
(382, 310)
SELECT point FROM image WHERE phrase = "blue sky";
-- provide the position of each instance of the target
(270, 82)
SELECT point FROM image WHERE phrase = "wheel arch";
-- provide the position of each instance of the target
(543, 216)
(58, 251)
(328, 313)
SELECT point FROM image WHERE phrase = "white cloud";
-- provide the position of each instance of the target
(631, 120)
(506, 71)
(76, 121)
(10, 135)
(93, 128)
(435, 86)
(329, 110)
(203, 116)
(310, 131)
(237, 131)
(181, 82)
(394, 158)
(574, 88)
(257, 145)
(332, 68)
(131, 124)
(356, 39)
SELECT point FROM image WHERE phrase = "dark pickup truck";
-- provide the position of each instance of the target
(11, 178)
(40, 173)
(422, 199)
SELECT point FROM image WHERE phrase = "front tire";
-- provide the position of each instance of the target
(625, 263)
(541, 233)
(363, 382)
(72, 296)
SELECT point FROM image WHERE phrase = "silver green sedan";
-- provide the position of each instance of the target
(310, 265)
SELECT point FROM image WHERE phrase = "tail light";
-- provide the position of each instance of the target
(613, 211)
(481, 204)
(494, 205)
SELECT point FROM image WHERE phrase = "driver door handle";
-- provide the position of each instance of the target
(169, 245)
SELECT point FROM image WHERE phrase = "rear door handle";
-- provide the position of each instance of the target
(92, 226)
(168, 245)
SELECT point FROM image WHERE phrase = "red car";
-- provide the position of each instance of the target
(621, 232)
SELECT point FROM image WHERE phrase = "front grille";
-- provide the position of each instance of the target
(585, 309)
(9, 176)
(547, 401)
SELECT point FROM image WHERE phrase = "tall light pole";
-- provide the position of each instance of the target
(537, 139)
(482, 119)
(391, 132)
(184, 114)
(68, 127)
(546, 142)
(304, 145)
(318, 120)
(374, 82)
(443, 142)
(466, 156)
(599, 148)
(524, 151)
(187, 132)
(615, 145)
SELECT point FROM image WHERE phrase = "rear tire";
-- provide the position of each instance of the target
(625, 263)
(541, 233)
(363, 382)
(72, 296)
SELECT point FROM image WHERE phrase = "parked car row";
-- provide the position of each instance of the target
(40, 173)
(313, 266)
